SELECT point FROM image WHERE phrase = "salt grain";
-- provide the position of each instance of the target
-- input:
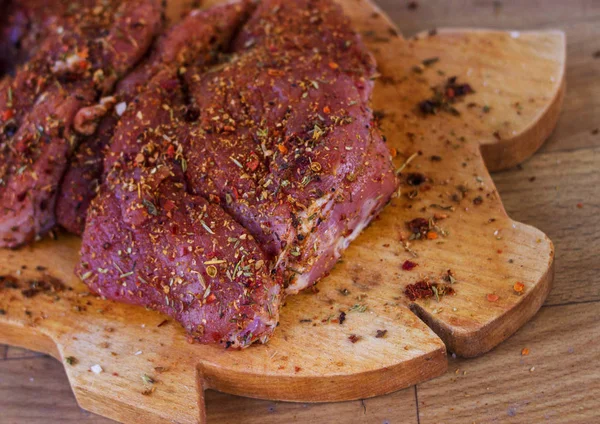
(120, 108)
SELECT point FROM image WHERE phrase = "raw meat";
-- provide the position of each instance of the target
(199, 36)
(41, 117)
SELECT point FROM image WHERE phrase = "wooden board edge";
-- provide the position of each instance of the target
(363, 385)
(507, 153)
(469, 344)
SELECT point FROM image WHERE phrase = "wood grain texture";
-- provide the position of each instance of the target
(556, 382)
(320, 378)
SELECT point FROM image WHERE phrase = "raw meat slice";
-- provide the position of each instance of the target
(149, 242)
(197, 38)
(287, 141)
(41, 106)
(280, 152)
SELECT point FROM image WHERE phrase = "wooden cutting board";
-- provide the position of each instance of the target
(151, 373)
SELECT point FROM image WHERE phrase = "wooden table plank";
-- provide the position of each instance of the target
(563, 201)
(36, 390)
(396, 407)
(557, 382)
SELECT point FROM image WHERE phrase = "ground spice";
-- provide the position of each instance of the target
(444, 97)
(354, 338)
(409, 265)
(424, 290)
(380, 334)
(519, 287)
(491, 297)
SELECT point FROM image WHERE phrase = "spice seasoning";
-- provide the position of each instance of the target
(354, 338)
(380, 334)
(424, 290)
(491, 297)
(444, 97)
(409, 265)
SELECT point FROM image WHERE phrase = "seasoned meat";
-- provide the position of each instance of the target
(287, 142)
(232, 176)
(23, 24)
(148, 241)
(43, 108)
(196, 39)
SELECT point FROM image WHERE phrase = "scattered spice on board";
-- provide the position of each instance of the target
(445, 97)
(409, 265)
(359, 308)
(149, 391)
(380, 334)
(71, 360)
(8, 282)
(580, 205)
(597, 54)
(342, 317)
(354, 338)
(344, 291)
(525, 351)
(46, 285)
(491, 297)
(449, 276)
(424, 290)
(147, 379)
(519, 287)
(595, 131)
(413, 5)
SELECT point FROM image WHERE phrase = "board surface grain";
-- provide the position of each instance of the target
(310, 358)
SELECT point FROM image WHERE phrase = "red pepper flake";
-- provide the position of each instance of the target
(354, 338)
(171, 151)
(491, 297)
(169, 205)
(326, 110)
(282, 149)
(580, 205)
(525, 351)
(211, 299)
(252, 164)
(393, 152)
(519, 287)
(7, 114)
(432, 235)
(424, 290)
(333, 65)
(297, 369)
(409, 265)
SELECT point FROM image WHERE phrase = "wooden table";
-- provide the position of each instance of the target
(558, 191)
